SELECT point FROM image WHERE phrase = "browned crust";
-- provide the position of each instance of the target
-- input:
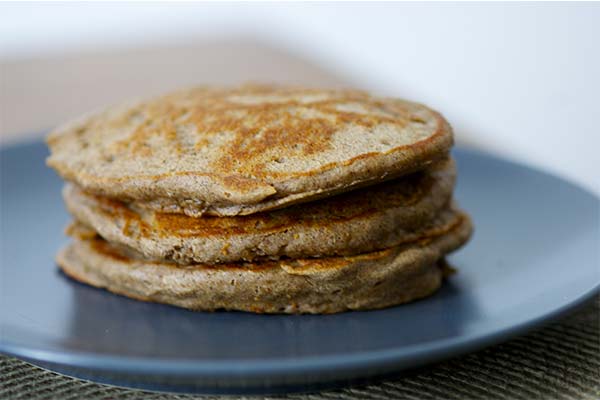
(386, 215)
(367, 281)
(221, 193)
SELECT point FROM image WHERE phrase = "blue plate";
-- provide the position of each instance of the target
(534, 257)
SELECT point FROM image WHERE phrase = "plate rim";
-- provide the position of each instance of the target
(379, 359)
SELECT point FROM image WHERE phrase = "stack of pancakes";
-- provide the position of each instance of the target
(261, 198)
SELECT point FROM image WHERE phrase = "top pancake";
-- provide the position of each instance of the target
(237, 151)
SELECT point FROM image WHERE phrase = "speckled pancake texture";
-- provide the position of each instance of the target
(260, 198)
(317, 285)
(237, 151)
(364, 220)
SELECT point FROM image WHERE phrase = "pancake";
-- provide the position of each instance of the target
(361, 221)
(238, 151)
(318, 285)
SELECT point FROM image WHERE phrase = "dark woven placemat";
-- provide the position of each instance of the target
(561, 361)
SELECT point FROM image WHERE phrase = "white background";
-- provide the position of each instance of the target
(520, 80)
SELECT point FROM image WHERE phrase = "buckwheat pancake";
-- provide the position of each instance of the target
(318, 285)
(237, 151)
(360, 221)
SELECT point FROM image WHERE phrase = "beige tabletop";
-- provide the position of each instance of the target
(38, 94)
